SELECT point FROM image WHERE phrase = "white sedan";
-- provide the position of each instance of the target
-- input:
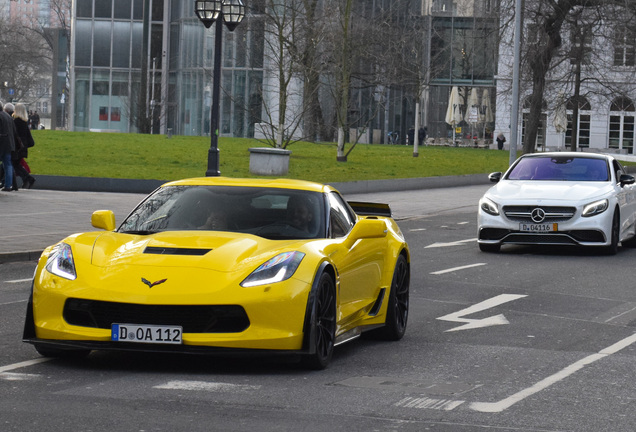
(564, 198)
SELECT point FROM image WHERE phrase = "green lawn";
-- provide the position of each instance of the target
(138, 156)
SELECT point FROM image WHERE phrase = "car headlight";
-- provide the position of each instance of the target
(595, 208)
(277, 269)
(489, 206)
(60, 262)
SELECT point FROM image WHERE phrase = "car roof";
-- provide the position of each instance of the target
(252, 182)
(570, 154)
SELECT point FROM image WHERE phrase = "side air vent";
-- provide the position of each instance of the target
(378, 303)
(175, 251)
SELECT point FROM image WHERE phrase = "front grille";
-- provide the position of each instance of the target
(175, 251)
(522, 238)
(552, 213)
(193, 318)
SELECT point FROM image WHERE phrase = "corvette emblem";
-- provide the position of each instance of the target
(151, 284)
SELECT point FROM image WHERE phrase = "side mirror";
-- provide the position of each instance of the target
(366, 228)
(627, 179)
(103, 219)
(494, 177)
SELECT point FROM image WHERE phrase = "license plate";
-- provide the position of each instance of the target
(156, 334)
(545, 227)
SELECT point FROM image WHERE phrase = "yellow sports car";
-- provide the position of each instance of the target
(221, 265)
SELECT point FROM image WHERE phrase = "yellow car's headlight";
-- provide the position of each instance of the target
(277, 269)
(60, 262)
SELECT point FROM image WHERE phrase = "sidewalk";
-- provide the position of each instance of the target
(34, 219)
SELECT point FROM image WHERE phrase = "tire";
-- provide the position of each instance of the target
(612, 249)
(45, 351)
(323, 328)
(493, 248)
(398, 308)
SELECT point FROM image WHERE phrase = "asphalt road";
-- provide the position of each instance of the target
(531, 339)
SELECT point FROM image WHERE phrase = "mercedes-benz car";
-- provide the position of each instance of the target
(225, 266)
(559, 198)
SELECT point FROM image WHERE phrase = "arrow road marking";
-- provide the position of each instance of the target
(457, 243)
(485, 322)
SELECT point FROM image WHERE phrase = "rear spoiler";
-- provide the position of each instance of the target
(370, 209)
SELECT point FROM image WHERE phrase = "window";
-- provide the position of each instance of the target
(581, 44)
(341, 219)
(461, 50)
(621, 124)
(103, 113)
(625, 47)
(542, 122)
(115, 114)
(583, 123)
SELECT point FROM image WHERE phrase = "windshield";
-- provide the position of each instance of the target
(266, 212)
(563, 168)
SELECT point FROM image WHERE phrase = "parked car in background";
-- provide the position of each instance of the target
(559, 198)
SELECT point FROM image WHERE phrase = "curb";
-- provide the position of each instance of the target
(100, 184)
(9, 257)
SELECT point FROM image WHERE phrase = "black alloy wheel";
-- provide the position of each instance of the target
(612, 249)
(398, 312)
(324, 328)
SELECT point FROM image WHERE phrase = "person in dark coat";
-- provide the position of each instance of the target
(501, 139)
(21, 120)
(421, 135)
(7, 146)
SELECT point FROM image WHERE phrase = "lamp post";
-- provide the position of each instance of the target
(232, 13)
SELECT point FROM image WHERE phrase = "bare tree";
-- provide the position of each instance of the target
(544, 51)
(24, 58)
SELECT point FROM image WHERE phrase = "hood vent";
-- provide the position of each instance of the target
(175, 251)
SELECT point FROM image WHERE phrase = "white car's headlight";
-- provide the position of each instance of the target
(60, 262)
(595, 208)
(489, 206)
(277, 269)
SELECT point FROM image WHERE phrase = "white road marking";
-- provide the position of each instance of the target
(15, 376)
(13, 302)
(206, 386)
(552, 379)
(485, 322)
(457, 243)
(463, 223)
(19, 280)
(22, 364)
(418, 229)
(429, 403)
(450, 270)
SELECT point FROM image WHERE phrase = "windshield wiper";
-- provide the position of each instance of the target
(140, 232)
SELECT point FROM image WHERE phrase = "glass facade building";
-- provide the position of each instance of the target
(152, 72)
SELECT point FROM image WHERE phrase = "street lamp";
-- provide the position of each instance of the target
(232, 13)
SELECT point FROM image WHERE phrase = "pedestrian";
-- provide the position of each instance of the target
(411, 136)
(36, 120)
(21, 118)
(421, 135)
(501, 139)
(7, 146)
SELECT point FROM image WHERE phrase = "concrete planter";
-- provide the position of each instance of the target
(269, 161)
